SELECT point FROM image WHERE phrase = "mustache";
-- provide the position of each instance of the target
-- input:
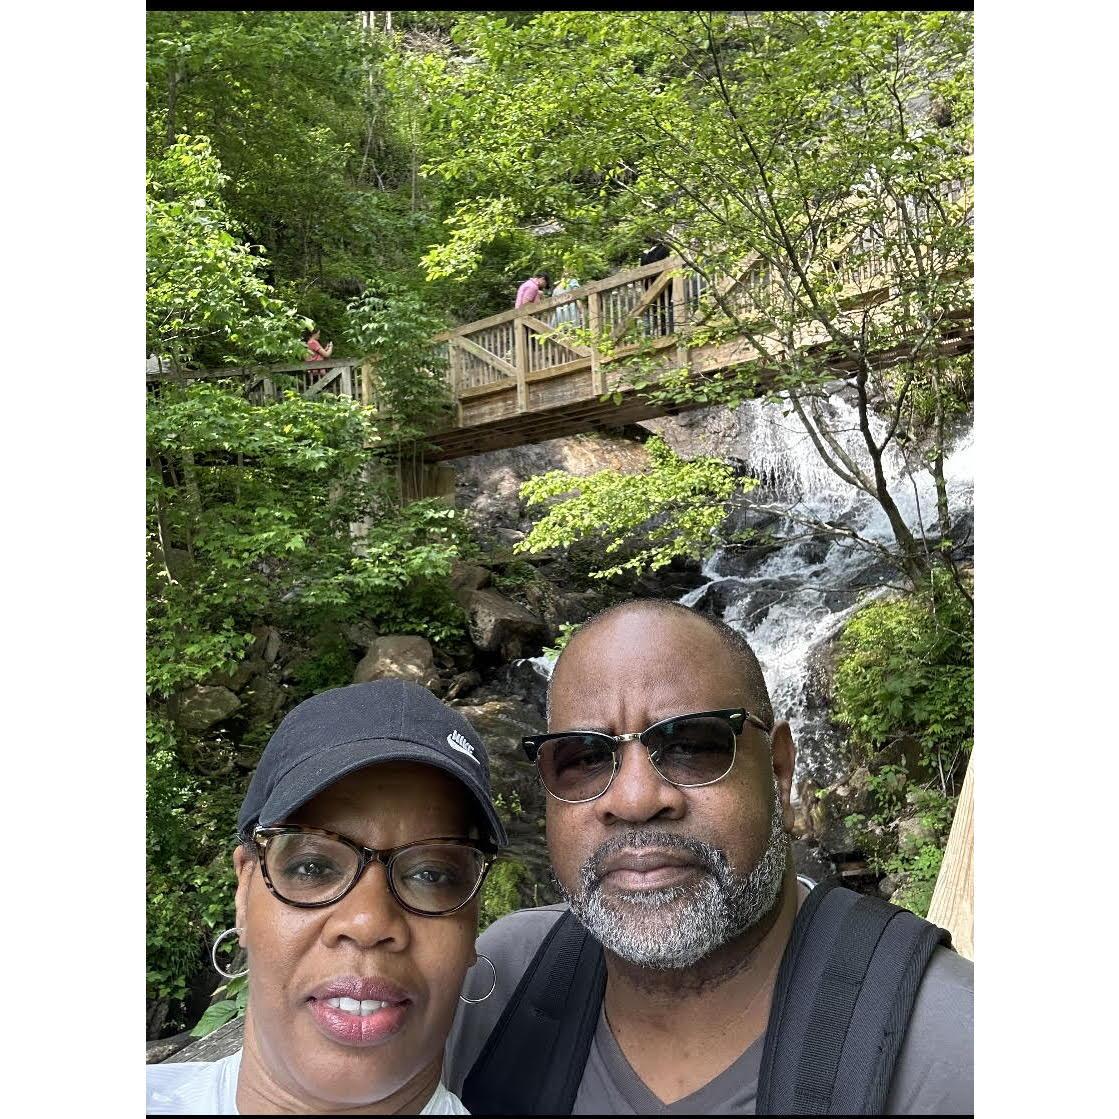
(706, 857)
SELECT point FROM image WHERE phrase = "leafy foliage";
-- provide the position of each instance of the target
(224, 1010)
(905, 668)
(566, 632)
(672, 510)
(394, 323)
(501, 892)
(206, 296)
(786, 156)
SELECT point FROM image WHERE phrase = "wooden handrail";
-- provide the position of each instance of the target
(255, 370)
(615, 280)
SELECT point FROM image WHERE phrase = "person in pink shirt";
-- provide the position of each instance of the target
(529, 291)
(316, 351)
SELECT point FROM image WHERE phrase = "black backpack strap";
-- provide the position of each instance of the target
(533, 1061)
(841, 1004)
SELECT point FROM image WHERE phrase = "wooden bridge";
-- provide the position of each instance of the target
(563, 365)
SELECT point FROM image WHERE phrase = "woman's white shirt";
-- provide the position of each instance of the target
(210, 1088)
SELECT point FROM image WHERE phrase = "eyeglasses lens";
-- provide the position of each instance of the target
(436, 878)
(693, 751)
(310, 869)
(429, 877)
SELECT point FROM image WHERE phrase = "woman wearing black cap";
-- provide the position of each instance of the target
(366, 834)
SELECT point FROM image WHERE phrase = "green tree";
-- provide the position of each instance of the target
(206, 298)
(303, 113)
(673, 509)
(784, 156)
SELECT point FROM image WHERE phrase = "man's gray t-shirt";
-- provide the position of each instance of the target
(933, 1074)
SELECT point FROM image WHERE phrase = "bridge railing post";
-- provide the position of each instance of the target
(367, 383)
(454, 362)
(594, 323)
(520, 347)
(680, 313)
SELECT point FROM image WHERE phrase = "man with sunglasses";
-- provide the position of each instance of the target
(668, 805)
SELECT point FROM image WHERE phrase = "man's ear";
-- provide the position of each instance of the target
(784, 759)
(245, 867)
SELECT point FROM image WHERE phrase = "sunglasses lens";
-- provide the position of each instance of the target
(691, 751)
(576, 766)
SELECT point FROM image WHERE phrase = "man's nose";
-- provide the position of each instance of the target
(638, 792)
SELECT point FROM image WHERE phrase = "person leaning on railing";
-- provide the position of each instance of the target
(366, 834)
(316, 351)
(532, 289)
(567, 314)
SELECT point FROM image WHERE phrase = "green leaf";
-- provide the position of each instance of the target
(215, 1016)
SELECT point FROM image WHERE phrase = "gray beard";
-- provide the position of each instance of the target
(678, 926)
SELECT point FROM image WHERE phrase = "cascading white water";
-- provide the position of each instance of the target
(801, 594)
(796, 600)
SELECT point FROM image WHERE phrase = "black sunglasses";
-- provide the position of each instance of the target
(688, 751)
(309, 868)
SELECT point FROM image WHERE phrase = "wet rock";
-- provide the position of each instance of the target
(887, 887)
(715, 598)
(524, 681)
(488, 485)
(240, 676)
(399, 657)
(462, 684)
(503, 722)
(744, 559)
(467, 577)
(264, 698)
(267, 646)
(360, 634)
(201, 707)
(499, 625)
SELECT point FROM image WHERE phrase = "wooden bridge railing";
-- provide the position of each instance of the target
(545, 369)
(569, 348)
(342, 376)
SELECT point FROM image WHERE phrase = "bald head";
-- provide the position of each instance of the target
(741, 656)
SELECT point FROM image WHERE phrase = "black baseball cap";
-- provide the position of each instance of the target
(336, 733)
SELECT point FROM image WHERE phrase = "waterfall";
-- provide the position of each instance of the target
(791, 602)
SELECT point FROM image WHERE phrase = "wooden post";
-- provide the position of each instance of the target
(679, 315)
(268, 389)
(454, 355)
(594, 319)
(953, 902)
(520, 346)
(346, 385)
(367, 384)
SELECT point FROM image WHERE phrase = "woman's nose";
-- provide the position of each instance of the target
(369, 915)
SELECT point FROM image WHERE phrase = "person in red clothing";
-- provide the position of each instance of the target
(316, 351)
